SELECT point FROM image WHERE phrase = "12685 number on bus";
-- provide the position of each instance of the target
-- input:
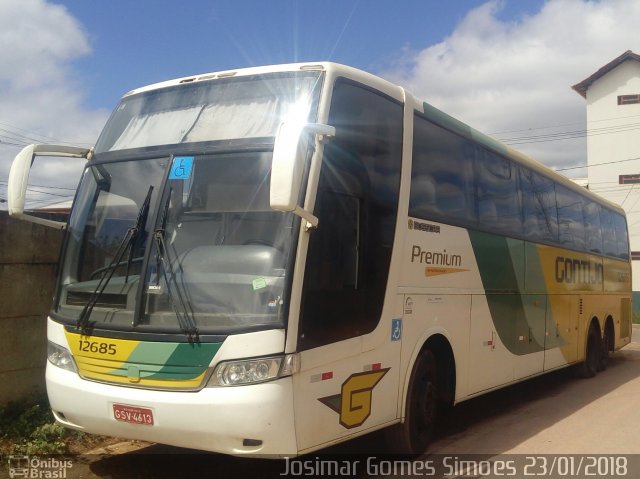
(97, 347)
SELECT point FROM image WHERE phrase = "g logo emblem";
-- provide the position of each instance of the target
(353, 404)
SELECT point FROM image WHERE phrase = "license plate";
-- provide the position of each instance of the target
(133, 414)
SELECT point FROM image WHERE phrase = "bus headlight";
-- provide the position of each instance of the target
(252, 371)
(60, 357)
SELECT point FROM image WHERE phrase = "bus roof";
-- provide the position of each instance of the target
(336, 68)
(398, 93)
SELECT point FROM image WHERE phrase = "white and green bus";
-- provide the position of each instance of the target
(272, 260)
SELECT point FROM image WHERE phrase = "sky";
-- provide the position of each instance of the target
(503, 66)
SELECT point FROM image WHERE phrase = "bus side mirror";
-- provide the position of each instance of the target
(287, 169)
(19, 178)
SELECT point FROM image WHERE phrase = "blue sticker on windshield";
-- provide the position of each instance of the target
(181, 168)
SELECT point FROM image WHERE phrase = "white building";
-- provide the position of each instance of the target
(613, 140)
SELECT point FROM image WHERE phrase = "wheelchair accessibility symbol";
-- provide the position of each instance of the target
(396, 329)
(181, 168)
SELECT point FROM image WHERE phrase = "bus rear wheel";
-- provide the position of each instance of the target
(607, 346)
(591, 364)
(414, 434)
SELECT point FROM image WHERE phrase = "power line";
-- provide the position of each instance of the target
(3, 142)
(564, 124)
(32, 137)
(39, 195)
(31, 134)
(44, 186)
(47, 193)
(628, 193)
(570, 135)
(631, 210)
(15, 136)
(596, 164)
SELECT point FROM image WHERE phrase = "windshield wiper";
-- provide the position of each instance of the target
(179, 300)
(127, 242)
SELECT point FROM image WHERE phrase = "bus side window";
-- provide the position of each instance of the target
(539, 207)
(442, 180)
(622, 240)
(570, 218)
(356, 205)
(609, 243)
(592, 226)
(497, 194)
(336, 261)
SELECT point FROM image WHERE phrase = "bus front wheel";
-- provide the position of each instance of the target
(414, 434)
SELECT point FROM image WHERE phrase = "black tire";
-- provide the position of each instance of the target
(414, 434)
(591, 364)
(606, 347)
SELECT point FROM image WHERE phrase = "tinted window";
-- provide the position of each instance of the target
(357, 203)
(497, 194)
(570, 218)
(609, 243)
(539, 206)
(592, 226)
(622, 239)
(442, 175)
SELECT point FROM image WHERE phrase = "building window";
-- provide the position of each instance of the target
(629, 179)
(628, 99)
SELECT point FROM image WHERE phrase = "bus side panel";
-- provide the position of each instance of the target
(617, 276)
(490, 361)
(426, 315)
(561, 347)
(547, 273)
(342, 391)
(439, 274)
(581, 287)
(510, 329)
(617, 279)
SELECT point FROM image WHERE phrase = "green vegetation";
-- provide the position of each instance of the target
(28, 427)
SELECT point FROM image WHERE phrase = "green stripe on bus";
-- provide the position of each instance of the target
(501, 265)
(499, 260)
(197, 356)
(171, 361)
(152, 353)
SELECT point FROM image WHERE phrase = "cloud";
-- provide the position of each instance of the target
(513, 78)
(40, 98)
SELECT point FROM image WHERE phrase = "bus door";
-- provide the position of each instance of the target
(349, 380)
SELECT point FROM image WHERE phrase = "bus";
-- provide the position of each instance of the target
(269, 261)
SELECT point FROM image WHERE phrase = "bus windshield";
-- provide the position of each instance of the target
(183, 242)
(213, 110)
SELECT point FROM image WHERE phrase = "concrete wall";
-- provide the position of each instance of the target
(28, 257)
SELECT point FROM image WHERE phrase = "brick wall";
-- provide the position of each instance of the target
(28, 257)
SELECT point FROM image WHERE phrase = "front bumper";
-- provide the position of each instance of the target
(245, 420)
